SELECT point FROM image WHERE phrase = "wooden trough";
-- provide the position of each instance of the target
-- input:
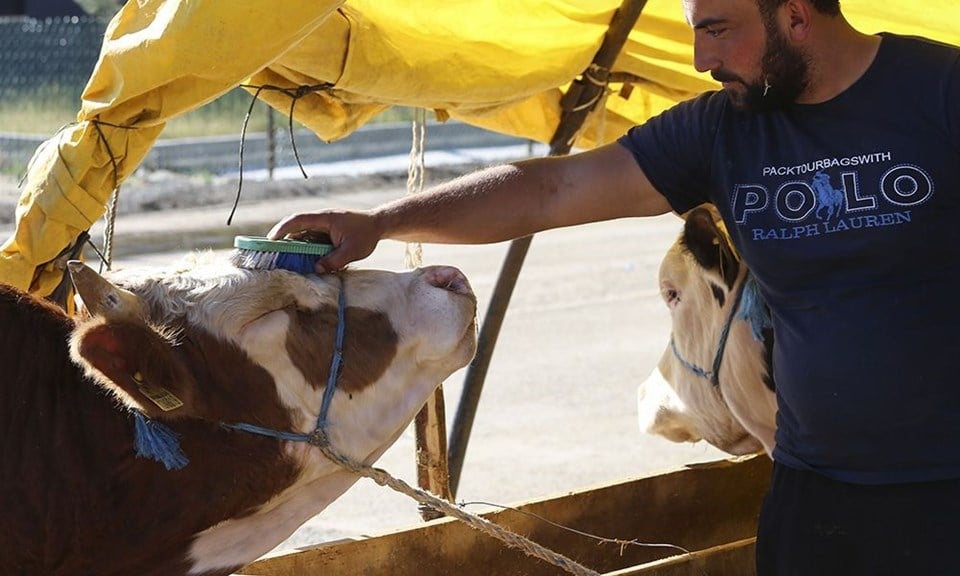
(710, 510)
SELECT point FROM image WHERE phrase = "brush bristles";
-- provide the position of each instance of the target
(260, 260)
(254, 260)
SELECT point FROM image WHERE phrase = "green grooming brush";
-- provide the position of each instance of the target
(261, 253)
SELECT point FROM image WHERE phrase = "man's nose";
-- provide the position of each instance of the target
(704, 59)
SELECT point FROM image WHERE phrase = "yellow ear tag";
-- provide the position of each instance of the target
(163, 398)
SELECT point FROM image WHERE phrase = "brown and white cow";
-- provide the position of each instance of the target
(234, 346)
(685, 399)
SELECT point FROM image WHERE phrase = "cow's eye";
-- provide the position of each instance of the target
(671, 296)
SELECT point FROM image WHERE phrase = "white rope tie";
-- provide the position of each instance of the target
(509, 538)
(413, 252)
(111, 221)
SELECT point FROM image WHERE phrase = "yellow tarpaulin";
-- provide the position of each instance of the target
(501, 65)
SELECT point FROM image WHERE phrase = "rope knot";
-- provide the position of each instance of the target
(318, 437)
(303, 91)
(597, 75)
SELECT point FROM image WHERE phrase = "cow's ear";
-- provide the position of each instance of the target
(101, 298)
(137, 364)
(709, 245)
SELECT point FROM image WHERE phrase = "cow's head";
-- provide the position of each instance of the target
(682, 401)
(210, 343)
(152, 332)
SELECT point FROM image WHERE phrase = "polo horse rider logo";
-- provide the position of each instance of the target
(828, 197)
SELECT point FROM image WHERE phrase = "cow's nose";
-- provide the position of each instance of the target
(448, 278)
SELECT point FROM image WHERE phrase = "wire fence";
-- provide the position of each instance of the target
(45, 65)
(50, 58)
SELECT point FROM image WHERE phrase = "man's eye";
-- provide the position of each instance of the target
(715, 32)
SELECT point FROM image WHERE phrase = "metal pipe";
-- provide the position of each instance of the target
(578, 103)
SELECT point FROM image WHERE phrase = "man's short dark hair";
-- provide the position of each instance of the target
(829, 7)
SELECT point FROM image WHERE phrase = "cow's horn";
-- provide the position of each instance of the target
(100, 297)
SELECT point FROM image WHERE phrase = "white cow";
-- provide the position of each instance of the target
(713, 381)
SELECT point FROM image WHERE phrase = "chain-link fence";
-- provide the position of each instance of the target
(47, 59)
(46, 63)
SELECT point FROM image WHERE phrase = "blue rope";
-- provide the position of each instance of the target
(334, 375)
(749, 305)
(156, 441)
(724, 334)
(280, 435)
(689, 365)
(754, 309)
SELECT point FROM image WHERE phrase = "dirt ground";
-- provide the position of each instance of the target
(558, 412)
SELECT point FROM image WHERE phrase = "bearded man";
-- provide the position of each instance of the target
(834, 159)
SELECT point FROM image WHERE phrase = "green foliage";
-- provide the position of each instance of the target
(14, 169)
(40, 112)
(45, 111)
(221, 117)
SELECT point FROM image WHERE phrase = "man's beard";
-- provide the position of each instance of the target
(784, 76)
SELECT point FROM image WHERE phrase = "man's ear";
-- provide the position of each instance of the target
(709, 246)
(795, 18)
(134, 362)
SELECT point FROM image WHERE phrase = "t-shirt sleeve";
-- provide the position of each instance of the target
(953, 103)
(673, 149)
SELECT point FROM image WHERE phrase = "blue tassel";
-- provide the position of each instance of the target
(753, 309)
(155, 440)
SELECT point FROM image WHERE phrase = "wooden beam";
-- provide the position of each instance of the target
(432, 467)
(701, 508)
(731, 558)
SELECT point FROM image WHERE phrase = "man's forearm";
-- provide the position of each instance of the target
(492, 205)
(515, 200)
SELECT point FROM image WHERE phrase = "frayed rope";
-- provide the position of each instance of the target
(156, 441)
(753, 309)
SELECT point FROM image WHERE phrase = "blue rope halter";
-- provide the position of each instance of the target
(155, 440)
(755, 313)
(318, 437)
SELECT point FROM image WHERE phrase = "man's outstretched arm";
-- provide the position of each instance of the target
(492, 205)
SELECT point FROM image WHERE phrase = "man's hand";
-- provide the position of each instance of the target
(354, 235)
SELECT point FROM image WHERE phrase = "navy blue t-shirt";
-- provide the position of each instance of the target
(848, 213)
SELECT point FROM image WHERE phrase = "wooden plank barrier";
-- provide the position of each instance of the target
(707, 509)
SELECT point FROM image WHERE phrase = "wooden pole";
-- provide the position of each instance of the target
(579, 101)
(433, 469)
(430, 425)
